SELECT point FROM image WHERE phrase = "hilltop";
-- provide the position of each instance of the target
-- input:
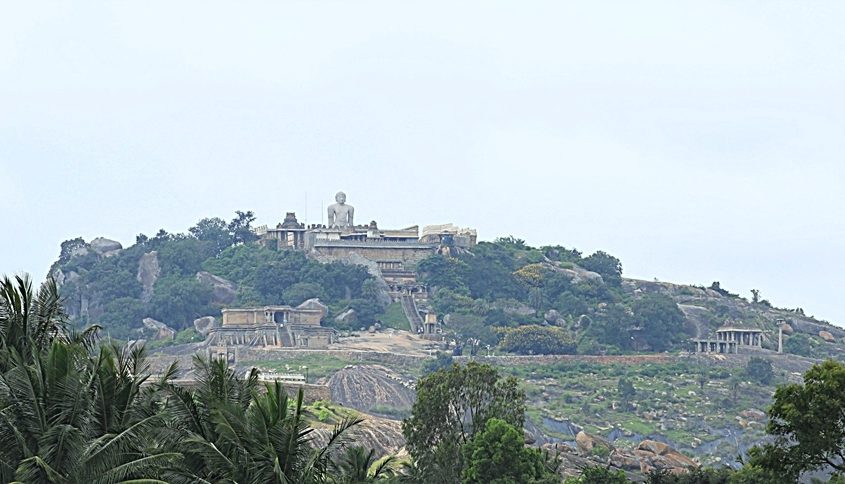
(503, 293)
(502, 297)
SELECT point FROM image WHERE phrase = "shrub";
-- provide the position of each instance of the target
(538, 340)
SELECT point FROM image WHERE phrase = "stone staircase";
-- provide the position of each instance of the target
(411, 312)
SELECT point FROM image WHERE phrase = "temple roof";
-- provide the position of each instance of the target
(731, 325)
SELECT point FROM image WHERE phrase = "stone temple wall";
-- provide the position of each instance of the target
(407, 255)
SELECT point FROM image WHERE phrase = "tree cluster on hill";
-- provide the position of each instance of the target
(107, 290)
(504, 285)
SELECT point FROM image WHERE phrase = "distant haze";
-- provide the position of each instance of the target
(696, 141)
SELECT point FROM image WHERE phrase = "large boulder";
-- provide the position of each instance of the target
(552, 317)
(653, 446)
(148, 272)
(314, 303)
(827, 336)
(754, 414)
(786, 328)
(347, 317)
(204, 324)
(105, 247)
(223, 291)
(624, 459)
(657, 455)
(586, 443)
(158, 329)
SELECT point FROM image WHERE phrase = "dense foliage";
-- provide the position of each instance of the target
(498, 455)
(507, 284)
(453, 406)
(107, 290)
(538, 340)
(808, 423)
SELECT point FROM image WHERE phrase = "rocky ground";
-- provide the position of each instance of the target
(373, 389)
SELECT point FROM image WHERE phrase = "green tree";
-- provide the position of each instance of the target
(604, 264)
(498, 455)
(808, 423)
(560, 253)
(301, 291)
(177, 301)
(472, 326)
(626, 390)
(452, 406)
(71, 418)
(441, 272)
(610, 327)
(760, 369)
(660, 320)
(240, 228)
(799, 344)
(538, 340)
(229, 432)
(184, 255)
(213, 230)
(357, 465)
(31, 321)
(122, 315)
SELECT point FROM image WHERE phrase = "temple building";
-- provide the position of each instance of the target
(729, 338)
(274, 326)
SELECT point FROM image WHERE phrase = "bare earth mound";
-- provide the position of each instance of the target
(372, 389)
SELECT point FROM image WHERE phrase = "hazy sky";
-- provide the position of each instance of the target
(696, 141)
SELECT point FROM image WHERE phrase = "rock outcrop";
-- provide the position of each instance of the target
(223, 291)
(347, 317)
(587, 443)
(827, 336)
(314, 303)
(158, 329)
(105, 247)
(148, 272)
(657, 455)
(372, 389)
(204, 324)
(553, 317)
(382, 434)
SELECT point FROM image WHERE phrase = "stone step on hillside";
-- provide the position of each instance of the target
(411, 312)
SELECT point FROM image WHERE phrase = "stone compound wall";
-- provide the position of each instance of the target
(513, 360)
(246, 355)
(310, 393)
(408, 256)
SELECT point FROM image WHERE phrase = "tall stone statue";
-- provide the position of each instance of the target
(340, 214)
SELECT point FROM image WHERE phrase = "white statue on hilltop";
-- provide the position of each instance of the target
(340, 214)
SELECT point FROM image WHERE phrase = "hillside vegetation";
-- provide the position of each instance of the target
(505, 293)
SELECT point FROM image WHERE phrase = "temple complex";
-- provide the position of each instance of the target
(390, 254)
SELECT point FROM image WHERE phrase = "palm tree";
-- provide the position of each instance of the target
(68, 417)
(357, 465)
(30, 322)
(229, 432)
